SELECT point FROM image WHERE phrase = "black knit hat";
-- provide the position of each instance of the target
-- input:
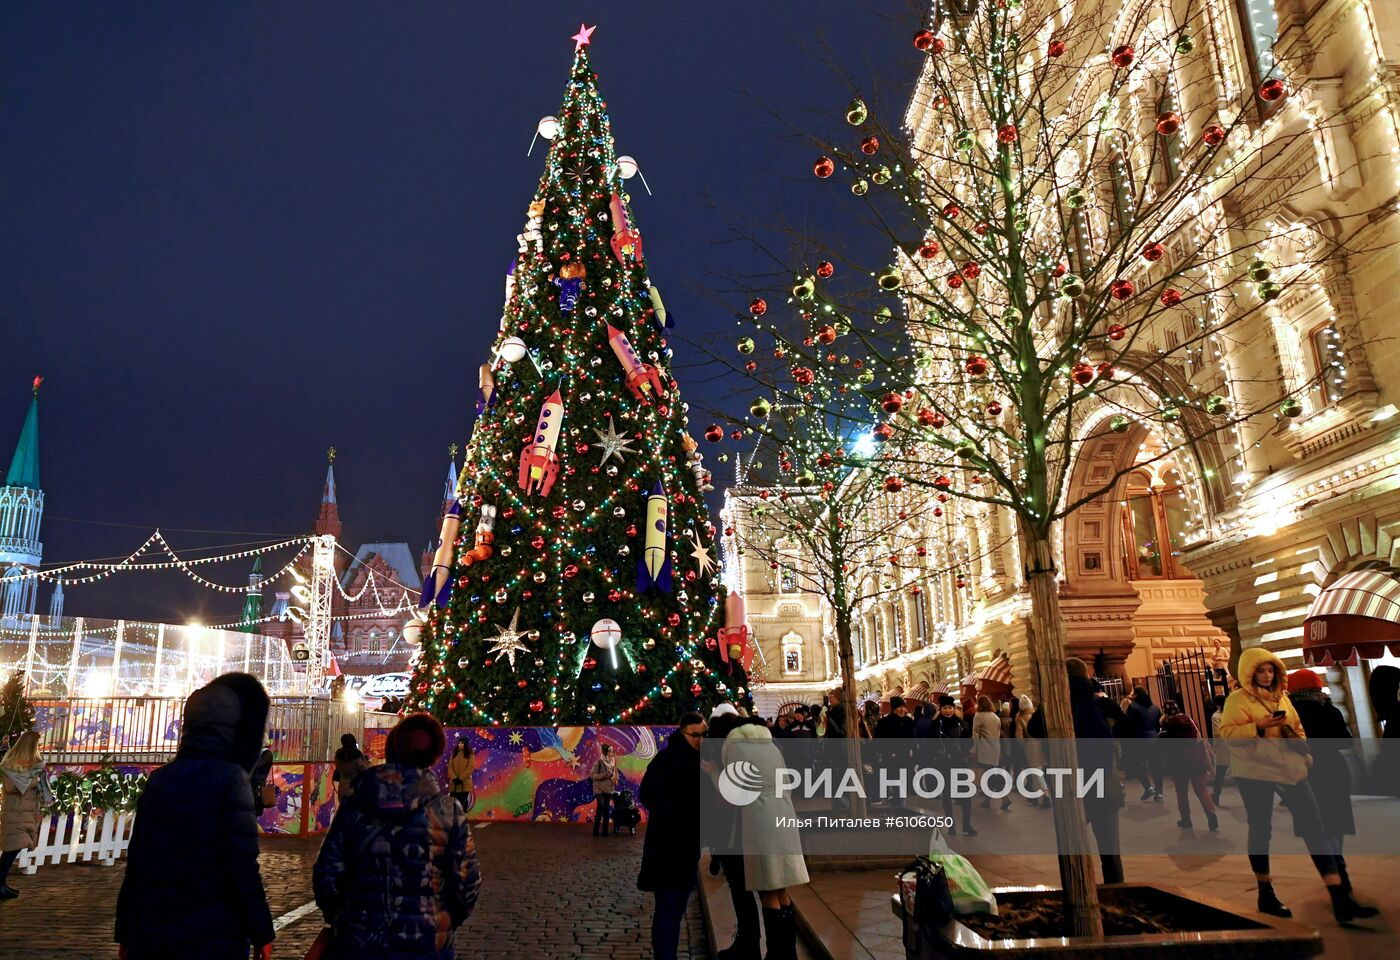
(947, 701)
(416, 741)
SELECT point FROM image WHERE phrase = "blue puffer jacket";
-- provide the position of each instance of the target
(413, 884)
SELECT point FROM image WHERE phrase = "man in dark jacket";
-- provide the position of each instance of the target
(835, 715)
(192, 887)
(896, 724)
(398, 872)
(1094, 745)
(953, 742)
(670, 791)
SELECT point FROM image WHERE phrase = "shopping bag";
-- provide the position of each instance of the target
(970, 893)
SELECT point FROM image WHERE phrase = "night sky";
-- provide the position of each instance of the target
(237, 234)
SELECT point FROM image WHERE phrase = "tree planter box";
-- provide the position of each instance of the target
(1210, 930)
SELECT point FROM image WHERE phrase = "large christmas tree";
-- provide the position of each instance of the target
(577, 579)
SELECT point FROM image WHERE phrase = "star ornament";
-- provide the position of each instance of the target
(507, 642)
(614, 444)
(584, 37)
(700, 554)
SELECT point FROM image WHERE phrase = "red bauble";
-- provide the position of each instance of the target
(714, 433)
(1168, 122)
(972, 270)
(1082, 373)
(893, 484)
(750, 366)
(758, 306)
(695, 688)
(1056, 48)
(1213, 135)
(938, 511)
(1272, 89)
(932, 418)
(1105, 371)
(1122, 56)
(1116, 331)
(570, 571)
(1121, 289)
(824, 167)
(955, 280)
(976, 366)
(929, 250)
(826, 333)
(1006, 133)
(993, 409)
(1152, 252)
(825, 269)
(674, 619)
(1171, 297)
(982, 228)
(951, 211)
(1060, 270)
(870, 145)
(536, 706)
(710, 643)
(942, 482)
(558, 512)
(631, 530)
(923, 40)
(892, 403)
(537, 542)
(589, 663)
(882, 432)
(803, 375)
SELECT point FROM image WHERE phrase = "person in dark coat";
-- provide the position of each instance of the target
(1329, 776)
(1187, 761)
(954, 741)
(1384, 688)
(192, 887)
(398, 871)
(670, 791)
(1094, 743)
(835, 716)
(897, 724)
(1146, 720)
(350, 762)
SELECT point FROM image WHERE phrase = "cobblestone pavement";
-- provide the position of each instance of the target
(550, 890)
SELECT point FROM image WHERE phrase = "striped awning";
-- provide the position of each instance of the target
(918, 691)
(937, 689)
(994, 680)
(1357, 618)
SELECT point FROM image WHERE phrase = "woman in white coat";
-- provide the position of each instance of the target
(777, 862)
(986, 744)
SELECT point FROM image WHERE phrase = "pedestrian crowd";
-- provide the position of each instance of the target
(397, 872)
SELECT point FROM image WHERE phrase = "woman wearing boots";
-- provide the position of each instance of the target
(25, 783)
(778, 862)
(1188, 763)
(1329, 777)
(1268, 757)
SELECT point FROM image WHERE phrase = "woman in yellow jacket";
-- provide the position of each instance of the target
(1269, 756)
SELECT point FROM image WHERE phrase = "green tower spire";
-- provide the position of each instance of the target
(24, 467)
(252, 606)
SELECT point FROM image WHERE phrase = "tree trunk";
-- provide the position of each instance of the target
(1048, 642)
(847, 657)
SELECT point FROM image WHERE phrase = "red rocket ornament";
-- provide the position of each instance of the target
(734, 646)
(626, 241)
(539, 465)
(643, 380)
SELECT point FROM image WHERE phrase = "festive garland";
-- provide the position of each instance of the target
(105, 788)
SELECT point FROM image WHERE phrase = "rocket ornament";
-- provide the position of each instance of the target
(437, 585)
(654, 565)
(487, 381)
(570, 284)
(658, 309)
(734, 646)
(626, 241)
(539, 466)
(643, 380)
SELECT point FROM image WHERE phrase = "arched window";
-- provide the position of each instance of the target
(1155, 516)
(792, 654)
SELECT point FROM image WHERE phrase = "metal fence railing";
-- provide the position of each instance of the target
(147, 729)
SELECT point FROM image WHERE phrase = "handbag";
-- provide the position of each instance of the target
(927, 902)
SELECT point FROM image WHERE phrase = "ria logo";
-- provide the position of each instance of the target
(740, 783)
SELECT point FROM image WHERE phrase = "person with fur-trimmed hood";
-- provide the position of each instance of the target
(398, 872)
(1269, 756)
(192, 887)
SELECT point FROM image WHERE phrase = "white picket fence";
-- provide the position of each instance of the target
(102, 835)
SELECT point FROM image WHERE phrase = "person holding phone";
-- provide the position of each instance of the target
(1269, 757)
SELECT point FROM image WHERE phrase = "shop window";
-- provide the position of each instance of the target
(1121, 176)
(1258, 33)
(1154, 521)
(1169, 147)
(1329, 364)
(792, 654)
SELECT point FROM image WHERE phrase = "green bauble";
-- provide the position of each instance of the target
(1074, 198)
(804, 288)
(860, 187)
(1259, 271)
(1292, 407)
(881, 176)
(842, 325)
(1216, 405)
(963, 140)
(966, 450)
(1021, 224)
(1268, 290)
(760, 408)
(856, 113)
(1185, 43)
(866, 376)
(883, 315)
(805, 478)
(1011, 316)
(924, 360)
(1119, 424)
(1071, 286)
(746, 345)
(1171, 414)
(889, 279)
